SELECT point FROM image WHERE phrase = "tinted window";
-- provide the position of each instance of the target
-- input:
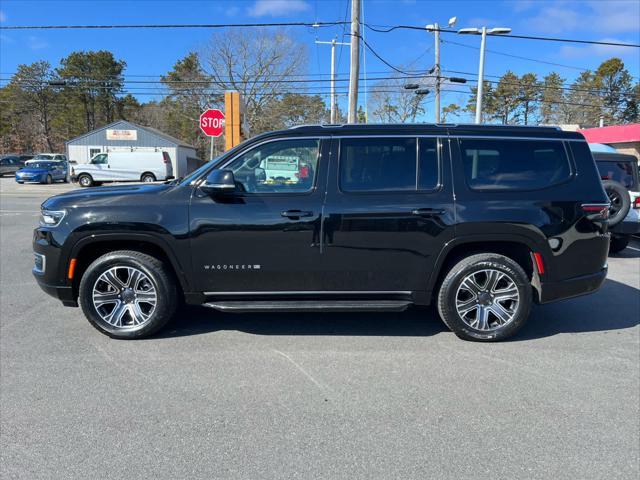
(621, 172)
(278, 167)
(428, 165)
(513, 164)
(372, 164)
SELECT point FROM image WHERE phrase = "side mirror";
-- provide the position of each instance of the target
(219, 181)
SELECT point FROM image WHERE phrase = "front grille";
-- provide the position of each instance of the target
(39, 263)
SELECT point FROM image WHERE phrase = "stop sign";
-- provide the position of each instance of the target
(212, 122)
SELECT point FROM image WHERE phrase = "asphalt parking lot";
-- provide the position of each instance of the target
(310, 395)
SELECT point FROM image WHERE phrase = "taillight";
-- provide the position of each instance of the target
(636, 203)
(596, 210)
(166, 157)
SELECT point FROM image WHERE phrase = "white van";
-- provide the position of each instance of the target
(123, 167)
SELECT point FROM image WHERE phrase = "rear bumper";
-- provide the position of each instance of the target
(573, 287)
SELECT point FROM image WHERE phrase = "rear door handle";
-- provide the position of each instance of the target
(427, 212)
(296, 214)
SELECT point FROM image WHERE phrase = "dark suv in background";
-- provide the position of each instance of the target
(479, 220)
(619, 174)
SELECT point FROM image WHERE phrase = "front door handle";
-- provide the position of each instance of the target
(427, 212)
(296, 214)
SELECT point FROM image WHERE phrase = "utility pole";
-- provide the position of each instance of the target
(333, 44)
(437, 71)
(354, 68)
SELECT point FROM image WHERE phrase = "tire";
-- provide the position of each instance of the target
(620, 201)
(148, 177)
(509, 274)
(618, 243)
(154, 280)
(85, 180)
(48, 180)
(21, 183)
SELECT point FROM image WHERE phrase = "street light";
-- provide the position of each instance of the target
(482, 31)
(435, 28)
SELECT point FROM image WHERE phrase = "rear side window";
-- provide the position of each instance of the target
(388, 164)
(621, 172)
(501, 164)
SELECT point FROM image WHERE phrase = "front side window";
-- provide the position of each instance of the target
(99, 159)
(282, 166)
(502, 164)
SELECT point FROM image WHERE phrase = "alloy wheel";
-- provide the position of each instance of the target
(124, 297)
(487, 299)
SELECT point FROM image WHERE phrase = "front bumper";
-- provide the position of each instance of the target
(572, 287)
(30, 178)
(61, 292)
(49, 271)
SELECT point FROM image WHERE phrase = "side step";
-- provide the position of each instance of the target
(310, 306)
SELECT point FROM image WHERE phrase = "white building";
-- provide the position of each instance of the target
(126, 136)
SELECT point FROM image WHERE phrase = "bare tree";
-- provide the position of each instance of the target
(391, 103)
(257, 63)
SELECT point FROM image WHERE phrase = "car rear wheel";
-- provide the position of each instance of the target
(85, 180)
(128, 294)
(485, 297)
(618, 243)
(48, 180)
(148, 178)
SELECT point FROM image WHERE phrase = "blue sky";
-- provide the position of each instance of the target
(153, 52)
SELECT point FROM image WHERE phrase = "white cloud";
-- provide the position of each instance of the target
(36, 43)
(3, 16)
(273, 8)
(573, 51)
(561, 16)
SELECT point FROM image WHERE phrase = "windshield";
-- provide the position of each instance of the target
(40, 165)
(42, 157)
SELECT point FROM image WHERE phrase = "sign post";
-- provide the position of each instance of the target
(212, 125)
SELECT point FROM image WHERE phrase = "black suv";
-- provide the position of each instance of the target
(478, 220)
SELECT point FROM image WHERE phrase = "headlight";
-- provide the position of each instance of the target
(51, 218)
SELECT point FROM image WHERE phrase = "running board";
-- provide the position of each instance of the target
(311, 306)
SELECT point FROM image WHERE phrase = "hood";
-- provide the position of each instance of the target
(123, 195)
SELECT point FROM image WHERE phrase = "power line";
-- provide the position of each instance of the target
(390, 28)
(175, 25)
(380, 29)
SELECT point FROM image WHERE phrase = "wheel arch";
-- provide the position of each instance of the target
(86, 250)
(518, 248)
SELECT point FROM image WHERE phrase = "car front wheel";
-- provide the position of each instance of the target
(485, 297)
(128, 294)
(85, 180)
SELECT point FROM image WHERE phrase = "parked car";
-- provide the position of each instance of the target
(375, 226)
(124, 166)
(10, 164)
(42, 171)
(619, 175)
(58, 157)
